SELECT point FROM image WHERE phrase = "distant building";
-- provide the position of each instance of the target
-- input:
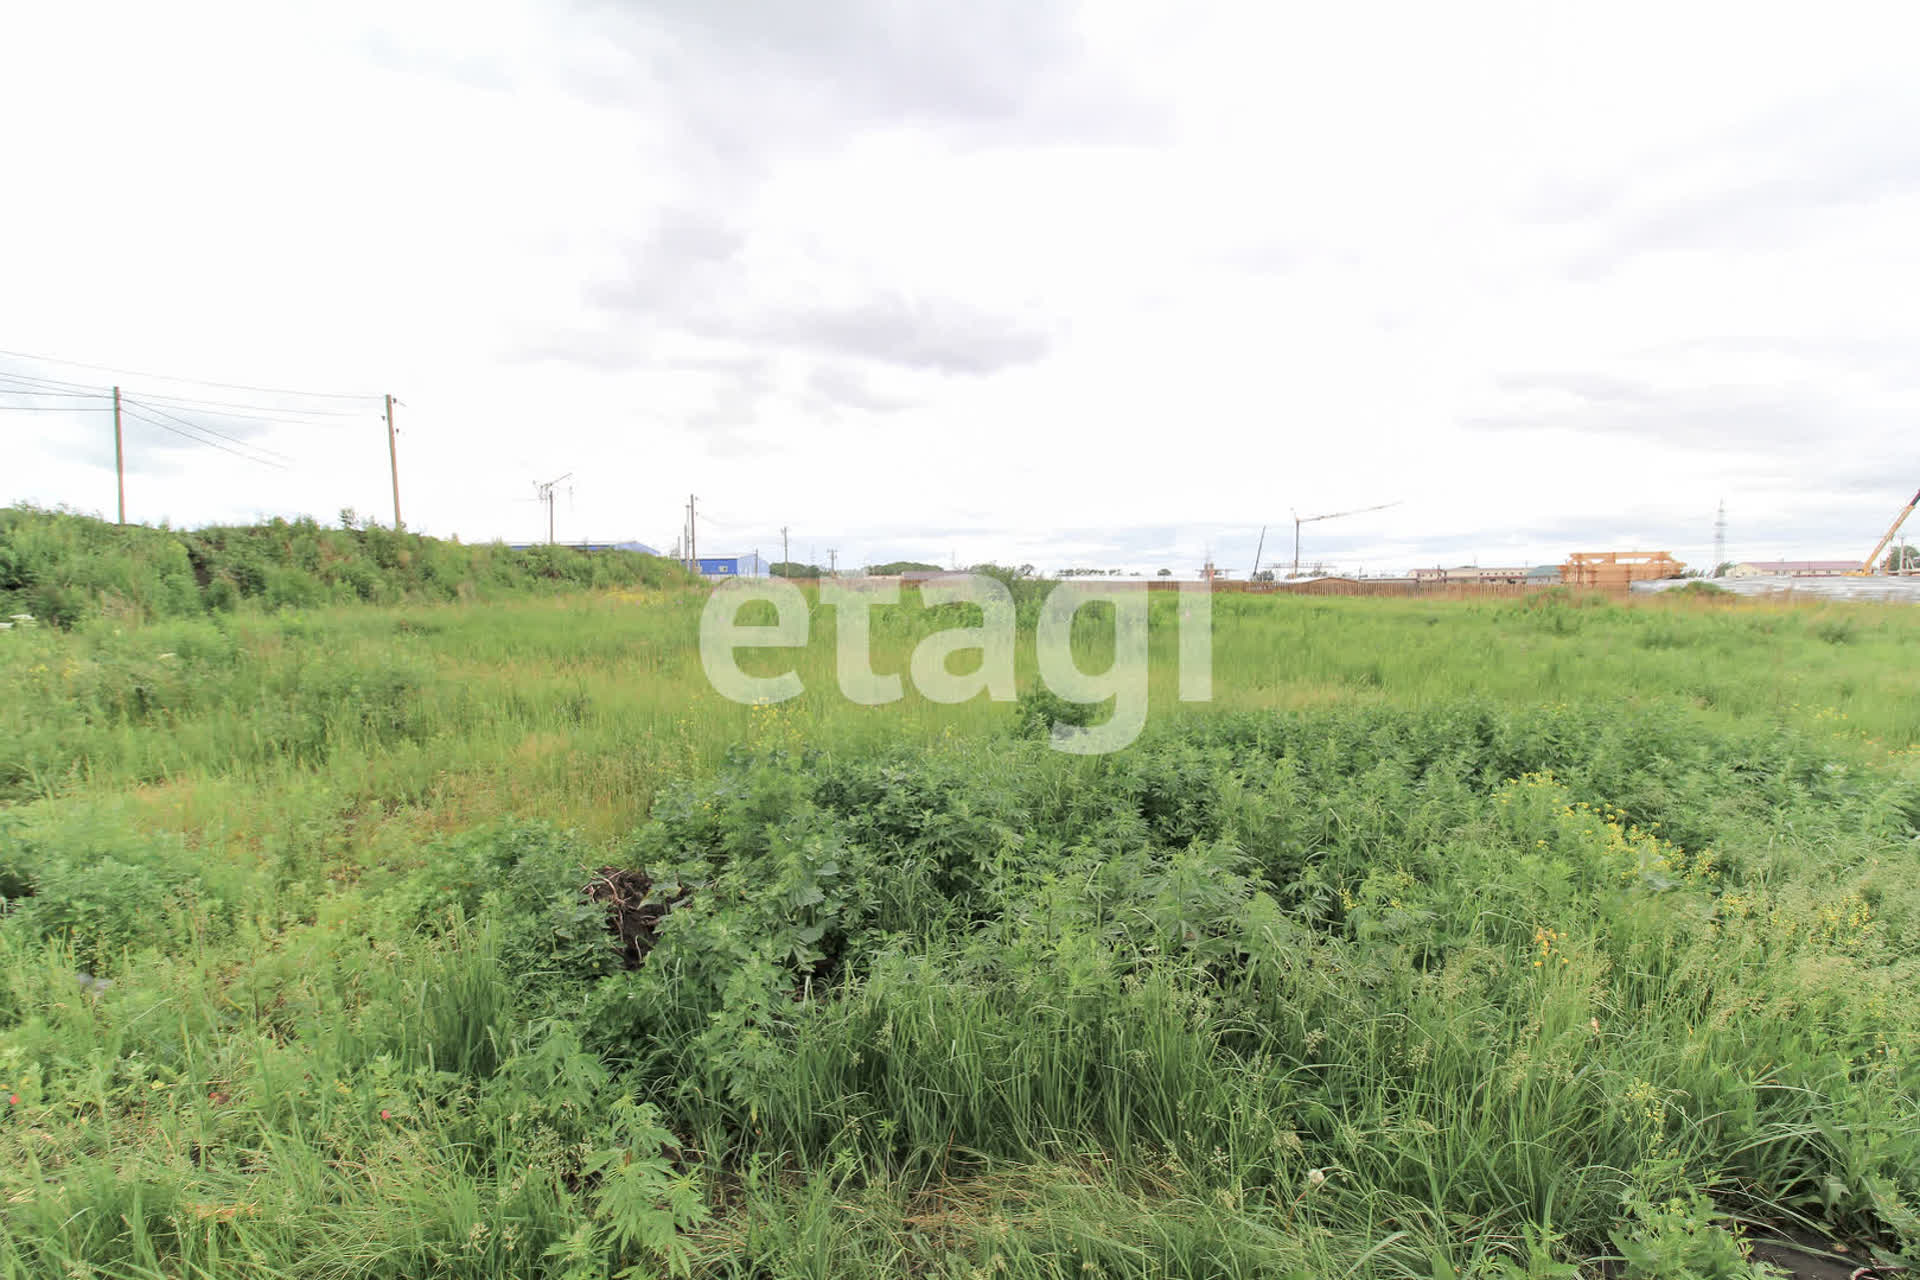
(720, 566)
(1792, 568)
(1472, 573)
(1544, 575)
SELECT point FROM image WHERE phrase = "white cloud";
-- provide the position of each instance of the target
(1037, 281)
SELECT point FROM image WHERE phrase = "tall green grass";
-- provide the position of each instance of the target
(1457, 940)
(63, 568)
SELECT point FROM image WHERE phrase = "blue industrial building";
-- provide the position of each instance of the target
(747, 566)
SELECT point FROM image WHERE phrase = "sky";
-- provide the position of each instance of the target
(1114, 284)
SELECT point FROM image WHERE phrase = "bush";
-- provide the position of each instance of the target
(66, 568)
(1685, 1239)
(102, 892)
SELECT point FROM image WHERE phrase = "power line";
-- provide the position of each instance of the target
(27, 379)
(141, 403)
(30, 385)
(201, 382)
(265, 462)
(254, 417)
(188, 402)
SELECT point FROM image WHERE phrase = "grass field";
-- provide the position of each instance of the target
(1448, 940)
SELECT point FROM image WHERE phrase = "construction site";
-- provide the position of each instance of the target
(1888, 572)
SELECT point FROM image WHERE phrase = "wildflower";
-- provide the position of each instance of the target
(385, 1114)
(13, 1099)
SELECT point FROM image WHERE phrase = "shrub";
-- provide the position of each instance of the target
(102, 892)
(66, 567)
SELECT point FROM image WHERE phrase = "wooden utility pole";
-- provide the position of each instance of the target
(393, 458)
(545, 489)
(119, 456)
(693, 539)
(786, 556)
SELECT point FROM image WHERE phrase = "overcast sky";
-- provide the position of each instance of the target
(1112, 283)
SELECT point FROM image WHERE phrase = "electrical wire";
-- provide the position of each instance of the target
(236, 417)
(201, 382)
(186, 402)
(151, 421)
(260, 448)
(33, 387)
(255, 417)
(29, 385)
(265, 462)
(53, 383)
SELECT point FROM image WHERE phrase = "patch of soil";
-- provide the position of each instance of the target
(632, 915)
(1807, 1257)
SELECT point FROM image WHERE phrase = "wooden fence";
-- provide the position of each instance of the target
(1399, 587)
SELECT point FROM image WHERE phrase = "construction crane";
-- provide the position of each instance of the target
(1866, 566)
(1299, 520)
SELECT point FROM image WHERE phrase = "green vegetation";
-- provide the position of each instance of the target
(895, 567)
(1451, 940)
(1700, 588)
(62, 568)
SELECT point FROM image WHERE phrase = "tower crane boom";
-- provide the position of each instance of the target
(1299, 520)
